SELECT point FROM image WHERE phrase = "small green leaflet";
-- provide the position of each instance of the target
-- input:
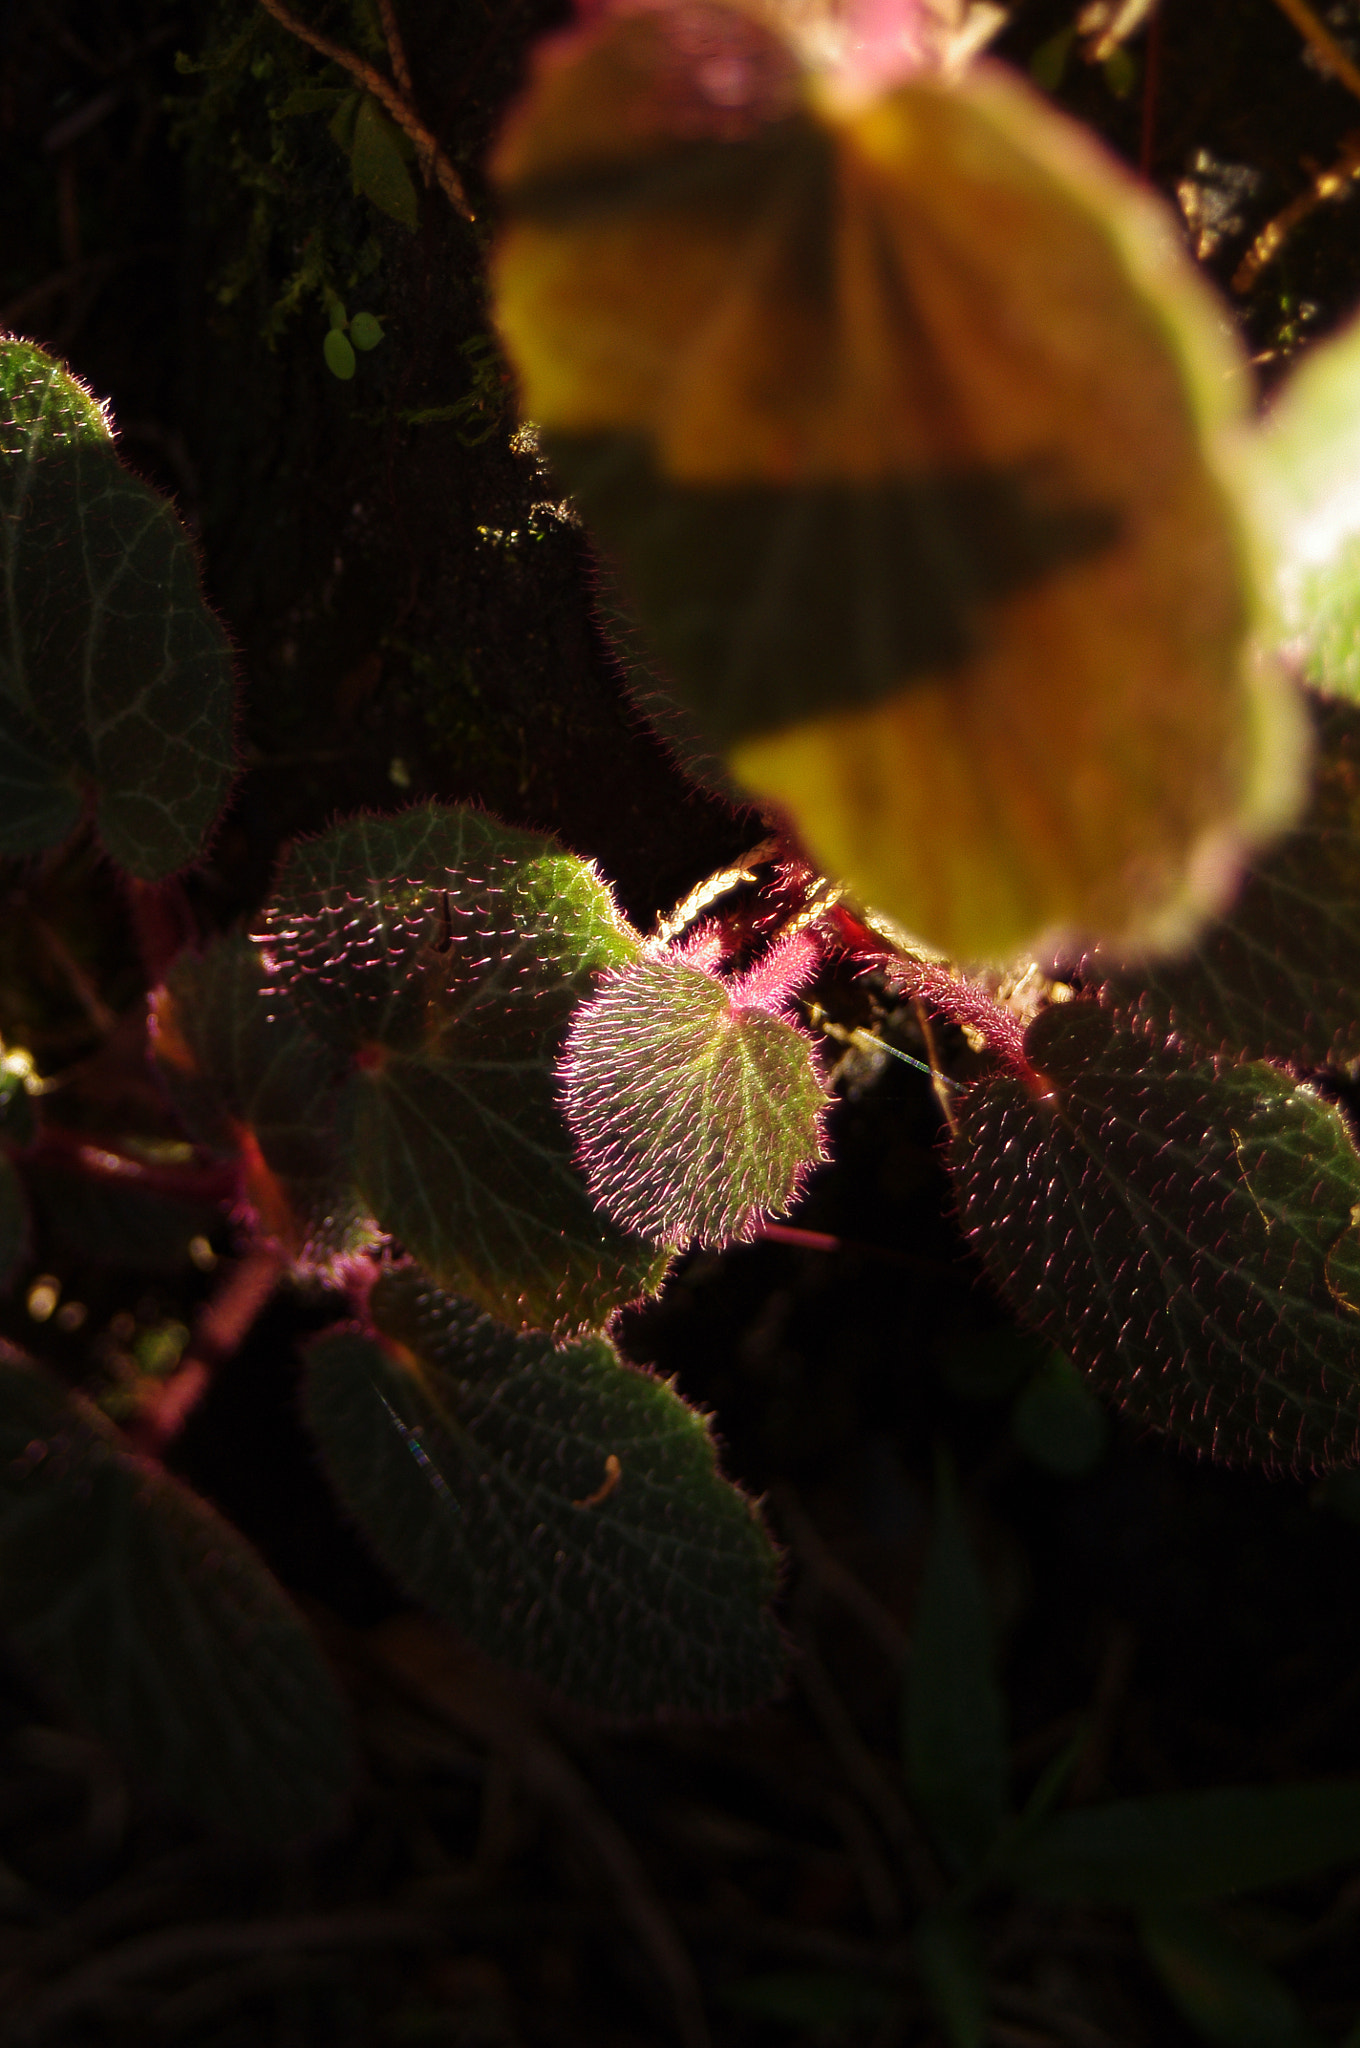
(157, 1624)
(441, 954)
(561, 1508)
(1279, 976)
(693, 1114)
(1185, 1232)
(115, 678)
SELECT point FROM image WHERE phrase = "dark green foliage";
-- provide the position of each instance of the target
(1184, 1231)
(156, 1623)
(443, 954)
(114, 676)
(563, 1509)
(251, 1082)
(1278, 977)
(953, 1728)
(1223, 1989)
(1188, 1847)
(948, 1961)
(693, 1114)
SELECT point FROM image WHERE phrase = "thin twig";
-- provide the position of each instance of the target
(432, 158)
(396, 50)
(1322, 42)
(1330, 184)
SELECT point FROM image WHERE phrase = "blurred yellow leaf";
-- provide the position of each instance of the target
(904, 420)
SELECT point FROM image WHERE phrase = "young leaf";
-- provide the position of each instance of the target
(442, 954)
(14, 1223)
(1185, 1232)
(561, 1508)
(901, 417)
(953, 1975)
(1225, 1992)
(156, 1623)
(1278, 977)
(1186, 1848)
(693, 1114)
(339, 355)
(251, 1082)
(953, 1715)
(114, 675)
(378, 166)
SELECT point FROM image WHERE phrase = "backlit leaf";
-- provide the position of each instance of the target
(114, 675)
(1187, 1233)
(1189, 1847)
(156, 1623)
(378, 166)
(901, 418)
(561, 1508)
(1278, 977)
(693, 1114)
(442, 954)
(953, 1714)
(249, 1080)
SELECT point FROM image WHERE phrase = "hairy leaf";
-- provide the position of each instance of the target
(1188, 1847)
(693, 1115)
(953, 1713)
(249, 1080)
(1279, 976)
(900, 417)
(443, 954)
(1187, 1233)
(561, 1508)
(156, 1623)
(114, 675)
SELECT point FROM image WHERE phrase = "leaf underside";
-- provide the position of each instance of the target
(157, 1624)
(1184, 1231)
(561, 1508)
(114, 675)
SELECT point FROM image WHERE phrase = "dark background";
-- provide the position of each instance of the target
(413, 612)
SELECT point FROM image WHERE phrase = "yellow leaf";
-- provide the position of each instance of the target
(908, 425)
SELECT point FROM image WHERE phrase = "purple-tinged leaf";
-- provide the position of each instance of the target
(1185, 1231)
(694, 1114)
(1279, 976)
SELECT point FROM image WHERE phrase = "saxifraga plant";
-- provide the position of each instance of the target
(1030, 637)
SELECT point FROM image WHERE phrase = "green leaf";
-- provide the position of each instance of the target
(365, 330)
(1049, 61)
(1190, 1847)
(815, 2000)
(1278, 977)
(14, 1221)
(1185, 1232)
(443, 954)
(156, 1623)
(1309, 512)
(1058, 1421)
(339, 355)
(693, 1114)
(378, 165)
(561, 1508)
(113, 672)
(953, 1714)
(252, 1083)
(953, 1976)
(1224, 1991)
